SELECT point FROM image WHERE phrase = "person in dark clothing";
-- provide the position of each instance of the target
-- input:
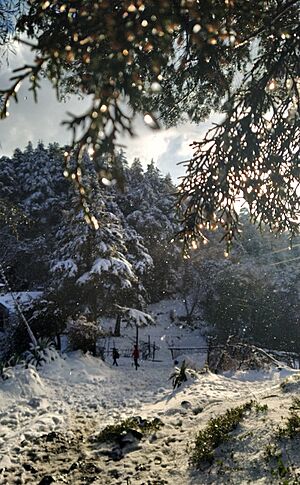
(136, 356)
(115, 356)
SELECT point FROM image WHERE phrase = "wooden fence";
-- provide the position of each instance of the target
(240, 351)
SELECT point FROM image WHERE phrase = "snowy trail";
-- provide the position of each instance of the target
(82, 395)
(48, 420)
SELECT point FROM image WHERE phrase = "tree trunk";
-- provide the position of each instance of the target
(137, 336)
(58, 341)
(117, 331)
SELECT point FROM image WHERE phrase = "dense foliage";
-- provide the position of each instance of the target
(83, 272)
(86, 274)
(175, 60)
(10, 10)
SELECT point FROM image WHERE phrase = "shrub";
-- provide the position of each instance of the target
(83, 335)
(40, 354)
(215, 433)
(279, 469)
(5, 370)
(179, 375)
(291, 428)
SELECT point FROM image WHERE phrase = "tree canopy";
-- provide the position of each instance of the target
(180, 60)
(10, 10)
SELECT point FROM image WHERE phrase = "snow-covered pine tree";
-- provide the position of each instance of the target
(90, 264)
(41, 193)
(148, 206)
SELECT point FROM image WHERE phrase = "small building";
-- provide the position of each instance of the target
(8, 305)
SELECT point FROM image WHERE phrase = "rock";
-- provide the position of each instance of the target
(197, 410)
(18, 481)
(131, 447)
(90, 468)
(33, 456)
(142, 468)
(116, 454)
(53, 436)
(178, 423)
(113, 472)
(137, 434)
(24, 443)
(28, 436)
(152, 438)
(46, 480)
(104, 451)
(74, 465)
(29, 468)
(171, 439)
(186, 404)
(34, 402)
(129, 441)
(131, 437)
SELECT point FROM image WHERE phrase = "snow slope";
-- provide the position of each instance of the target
(49, 420)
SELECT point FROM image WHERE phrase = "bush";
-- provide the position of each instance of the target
(179, 375)
(250, 304)
(237, 356)
(83, 335)
(40, 354)
(215, 433)
(46, 321)
(291, 428)
(7, 366)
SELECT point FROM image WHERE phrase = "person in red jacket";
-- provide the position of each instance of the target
(136, 356)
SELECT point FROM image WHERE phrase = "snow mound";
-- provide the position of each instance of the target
(22, 383)
(193, 362)
(291, 384)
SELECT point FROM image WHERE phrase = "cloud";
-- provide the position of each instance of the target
(29, 121)
(175, 152)
(178, 147)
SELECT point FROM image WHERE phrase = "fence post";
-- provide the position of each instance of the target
(209, 348)
(154, 349)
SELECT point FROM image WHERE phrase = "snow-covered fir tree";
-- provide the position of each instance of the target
(148, 205)
(92, 265)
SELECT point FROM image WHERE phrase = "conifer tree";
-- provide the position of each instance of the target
(176, 60)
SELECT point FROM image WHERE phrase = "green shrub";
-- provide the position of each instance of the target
(40, 354)
(6, 366)
(291, 428)
(261, 408)
(279, 469)
(83, 334)
(179, 375)
(215, 433)
(295, 403)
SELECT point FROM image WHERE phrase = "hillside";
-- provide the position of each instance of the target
(51, 420)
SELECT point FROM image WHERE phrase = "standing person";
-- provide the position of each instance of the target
(136, 356)
(115, 356)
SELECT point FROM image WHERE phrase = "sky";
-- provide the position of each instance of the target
(30, 121)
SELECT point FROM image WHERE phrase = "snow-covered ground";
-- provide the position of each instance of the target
(49, 420)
